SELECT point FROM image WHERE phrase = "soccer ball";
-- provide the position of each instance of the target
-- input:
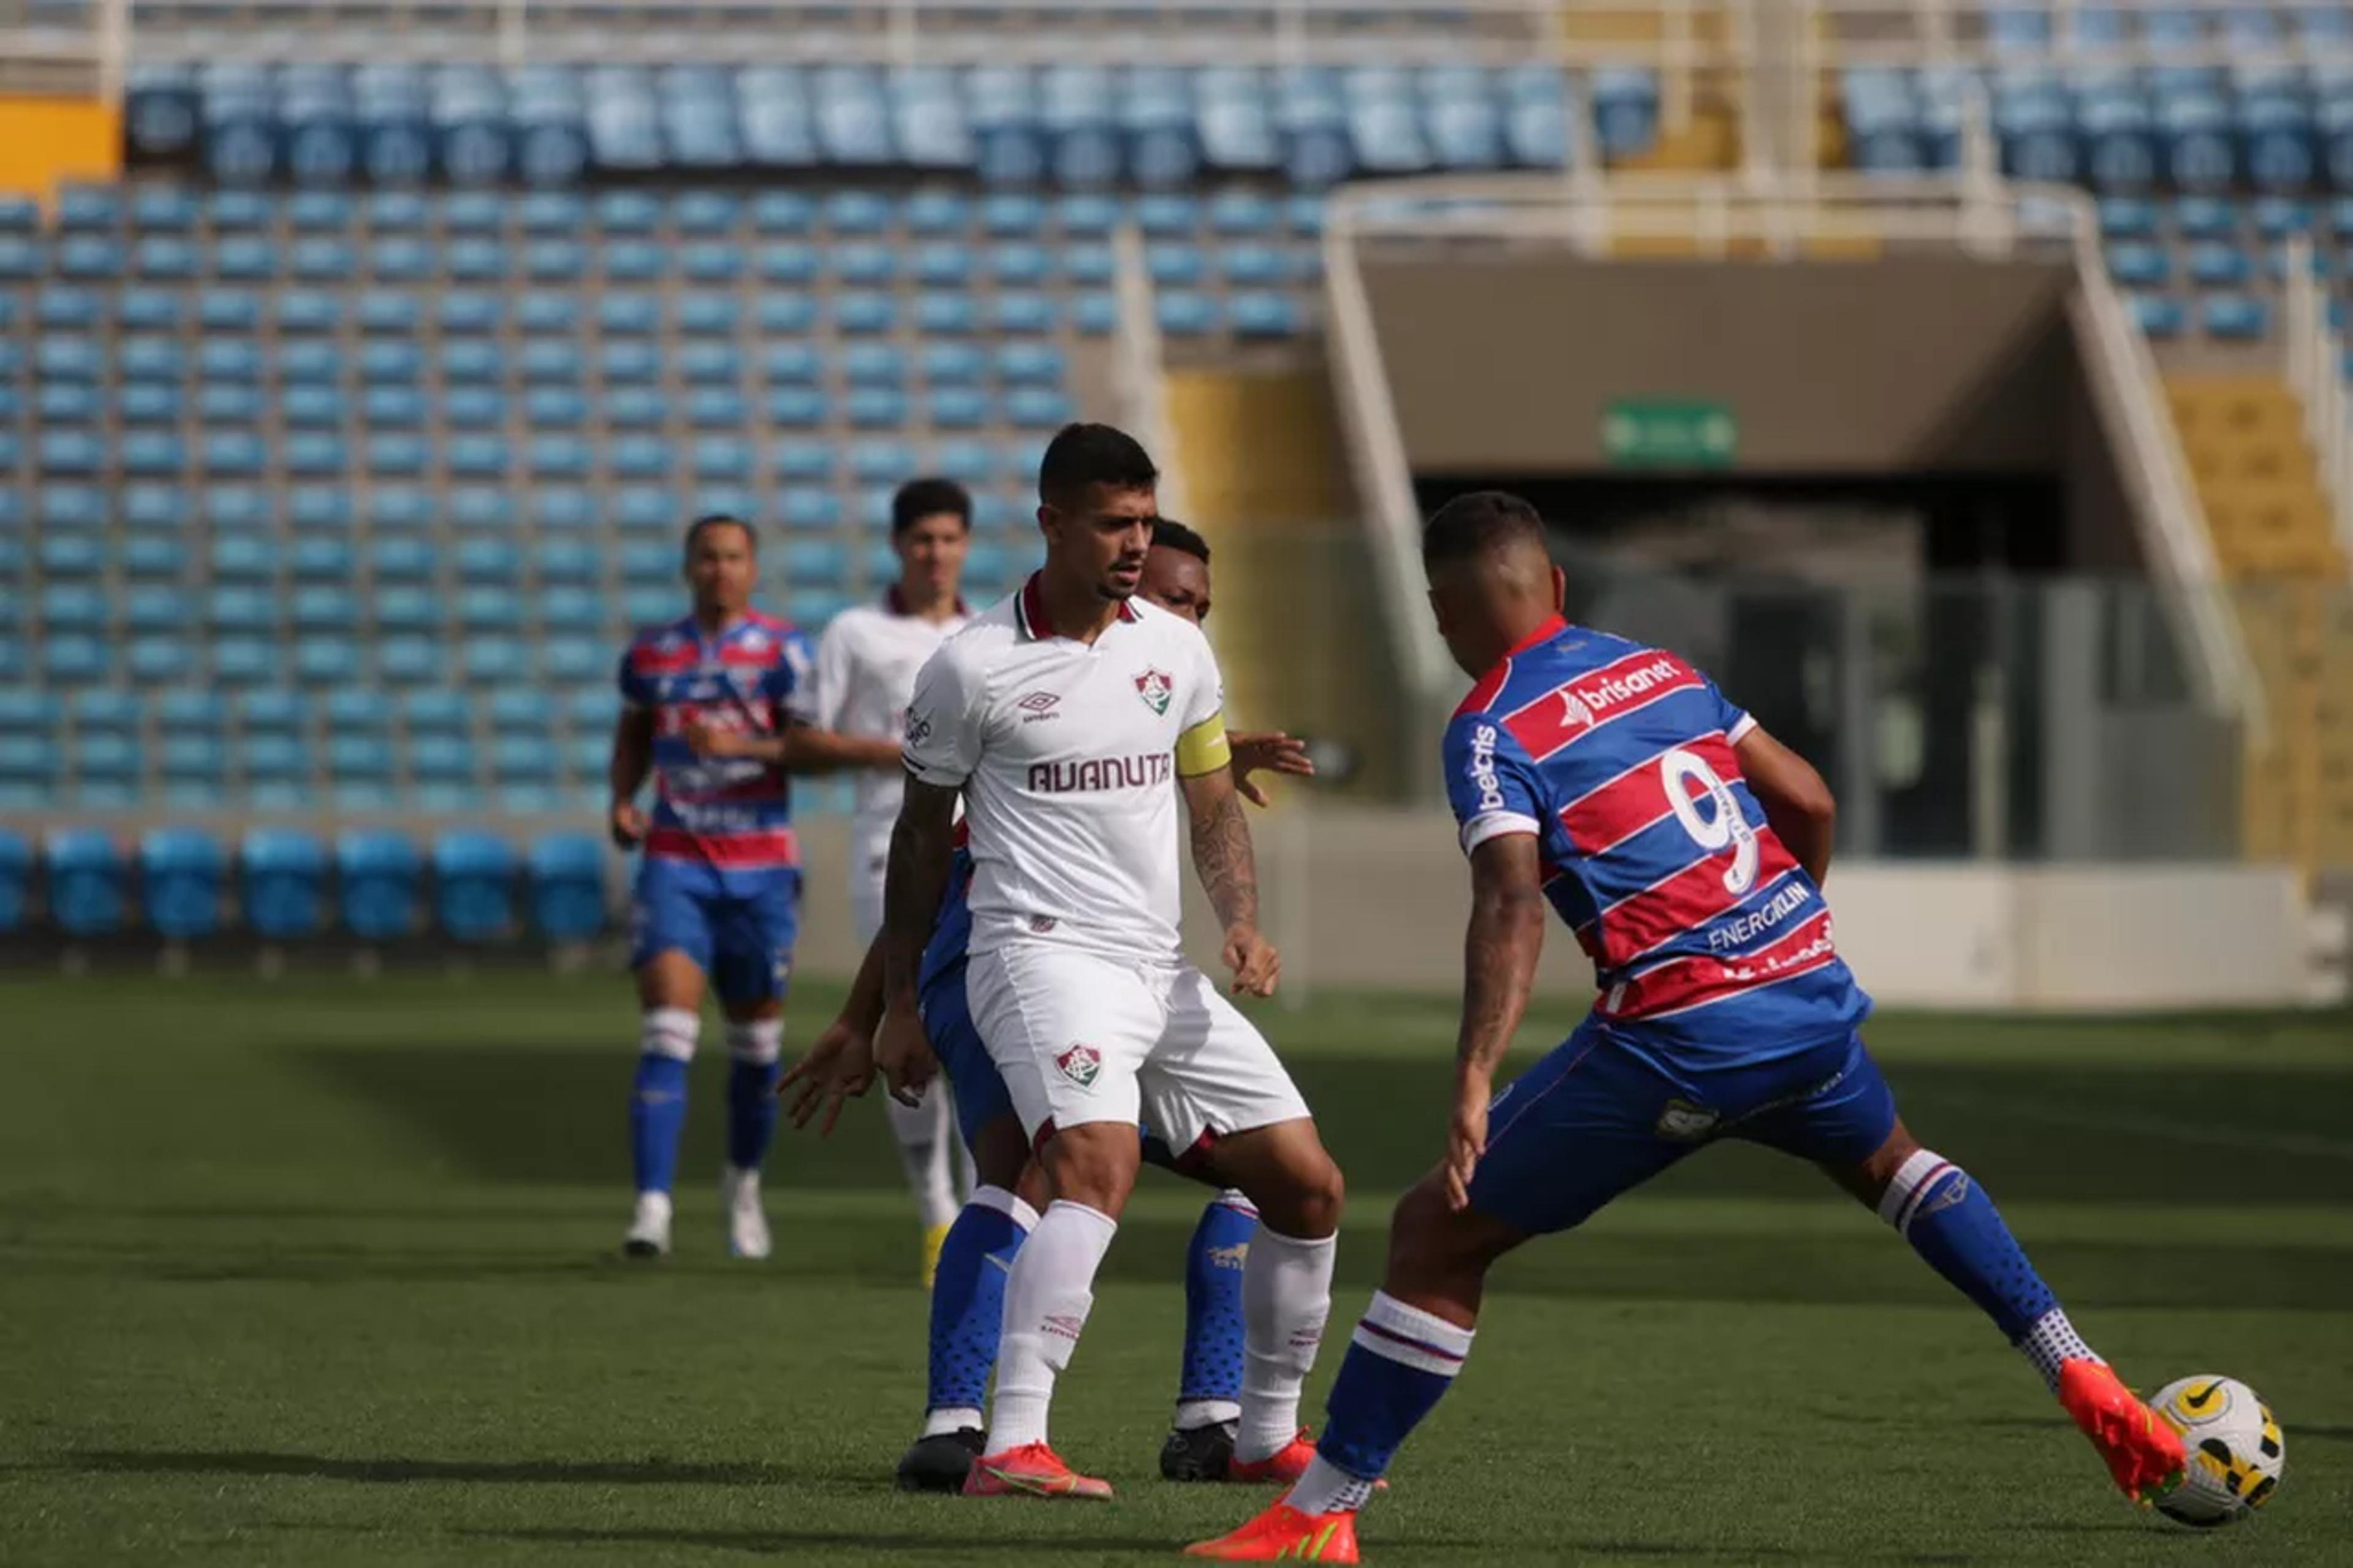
(2236, 1452)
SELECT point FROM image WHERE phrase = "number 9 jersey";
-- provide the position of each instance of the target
(1708, 939)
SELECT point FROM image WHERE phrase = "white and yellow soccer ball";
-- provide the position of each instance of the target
(2236, 1454)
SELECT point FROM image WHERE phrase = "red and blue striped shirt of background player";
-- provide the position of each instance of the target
(1706, 936)
(732, 814)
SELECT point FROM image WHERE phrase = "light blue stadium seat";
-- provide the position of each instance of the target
(473, 362)
(562, 509)
(399, 606)
(66, 402)
(323, 260)
(326, 659)
(617, 362)
(1184, 315)
(282, 883)
(473, 886)
(1265, 315)
(554, 260)
(465, 312)
(875, 409)
(2216, 264)
(310, 360)
(953, 364)
(706, 315)
(234, 454)
(182, 882)
(68, 358)
(401, 259)
(783, 212)
(1023, 313)
(160, 256)
(244, 259)
(646, 508)
(227, 310)
(147, 311)
(60, 308)
(634, 408)
(633, 260)
(719, 459)
(795, 407)
(323, 558)
(72, 555)
(379, 875)
(392, 407)
(2234, 315)
(228, 403)
(567, 887)
(480, 560)
(560, 457)
(409, 661)
(2137, 264)
(568, 608)
(706, 362)
(639, 457)
(2278, 217)
(319, 606)
(957, 408)
(786, 261)
(947, 315)
(809, 509)
(89, 882)
(575, 660)
(554, 408)
(2205, 218)
(801, 460)
(969, 463)
(1037, 407)
(710, 262)
(195, 767)
(1175, 265)
(715, 408)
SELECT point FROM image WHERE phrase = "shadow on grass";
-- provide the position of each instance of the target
(650, 1472)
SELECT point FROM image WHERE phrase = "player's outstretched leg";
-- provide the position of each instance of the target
(754, 1045)
(968, 1316)
(1402, 1359)
(657, 1116)
(926, 1132)
(1200, 1444)
(1952, 1224)
(1286, 1287)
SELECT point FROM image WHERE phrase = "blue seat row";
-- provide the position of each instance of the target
(288, 886)
(1075, 124)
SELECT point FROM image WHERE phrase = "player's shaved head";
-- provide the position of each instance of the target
(1492, 579)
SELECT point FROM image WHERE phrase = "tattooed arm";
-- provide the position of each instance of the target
(923, 846)
(1500, 950)
(1228, 873)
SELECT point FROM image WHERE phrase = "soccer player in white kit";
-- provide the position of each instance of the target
(1070, 718)
(866, 664)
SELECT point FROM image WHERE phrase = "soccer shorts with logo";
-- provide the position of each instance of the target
(1082, 1039)
(1600, 1115)
(738, 926)
(978, 1088)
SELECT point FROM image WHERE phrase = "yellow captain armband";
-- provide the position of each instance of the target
(1203, 749)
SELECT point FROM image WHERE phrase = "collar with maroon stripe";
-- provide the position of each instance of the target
(1029, 609)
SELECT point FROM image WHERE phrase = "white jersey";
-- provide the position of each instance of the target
(866, 667)
(1068, 755)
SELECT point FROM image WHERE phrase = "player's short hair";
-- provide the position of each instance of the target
(1167, 533)
(710, 519)
(1083, 455)
(919, 498)
(1472, 525)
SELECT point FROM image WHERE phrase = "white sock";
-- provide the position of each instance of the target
(1046, 1302)
(1286, 1296)
(1192, 1415)
(1325, 1487)
(2051, 1341)
(923, 1134)
(952, 1420)
(669, 1032)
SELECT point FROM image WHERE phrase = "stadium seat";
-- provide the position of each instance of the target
(379, 877)
(473, 887)
(282, 883)
(88, 879)
(567, 887)
(182, 876)
(15, 881)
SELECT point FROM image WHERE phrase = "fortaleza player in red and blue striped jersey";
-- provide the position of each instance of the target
(716, 707)
(1685, 848)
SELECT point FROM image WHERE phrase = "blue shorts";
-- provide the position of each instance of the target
(738, 926)
(980, 1097)
(1599, 1116)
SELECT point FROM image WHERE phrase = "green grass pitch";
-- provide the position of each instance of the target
(319, 1271)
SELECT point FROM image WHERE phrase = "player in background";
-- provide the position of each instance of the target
(968, 1302)
(866, 664)
(716, 706)
(1685, 850)
(1061, 717)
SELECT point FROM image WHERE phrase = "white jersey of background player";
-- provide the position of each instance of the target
(866, 665)
(1070, 719)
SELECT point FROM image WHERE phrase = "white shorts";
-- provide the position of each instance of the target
(870, 862)
(1081, 1039)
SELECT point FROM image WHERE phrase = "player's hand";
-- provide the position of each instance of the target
(706, 741)
(1270, 750)
(1256, 965)
(902, 1053)
(838, 1067)
(1466, 1138)
(626, 824)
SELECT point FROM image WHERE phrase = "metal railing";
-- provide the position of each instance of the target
(2316, 355)
(1716, 217)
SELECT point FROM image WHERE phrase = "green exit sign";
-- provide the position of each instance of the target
(1664, 433)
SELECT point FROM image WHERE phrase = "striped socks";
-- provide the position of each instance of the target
(1401, 1363)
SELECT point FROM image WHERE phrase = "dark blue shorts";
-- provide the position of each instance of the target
(1598, 1117)
(739, 927)
(979, 1090)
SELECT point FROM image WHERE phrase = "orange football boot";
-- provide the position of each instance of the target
(1286, 1465)
(1032, 1469)
(2144, 1455)
(1283, 1534)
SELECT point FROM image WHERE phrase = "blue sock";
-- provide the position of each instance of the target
(1401, 1363)
(968, 1301)
(1949, 1221)
(750, 1111)
(1213, 1302)
(657, 1116)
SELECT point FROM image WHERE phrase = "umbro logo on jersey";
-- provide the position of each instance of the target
(1155, 688)
(1038, 705)
(1080, 1064)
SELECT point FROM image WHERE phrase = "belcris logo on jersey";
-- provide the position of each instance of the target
(1156, 688)
(1102, 773)
(1481, 768)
